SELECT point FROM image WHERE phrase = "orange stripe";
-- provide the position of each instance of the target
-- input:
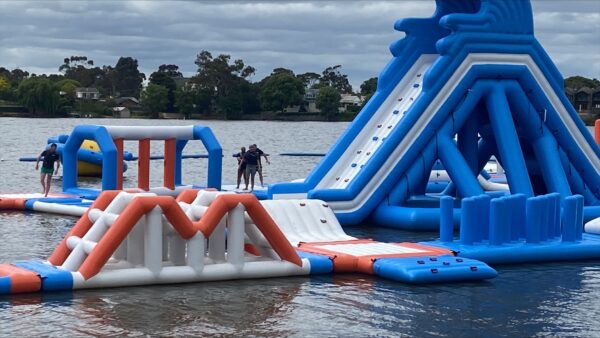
(251, 249)
(188, 196)
(21, 280)
(141, 205)
(144, 164)
(119, 145)
(169, 164)
(82, 226)
(12, 203)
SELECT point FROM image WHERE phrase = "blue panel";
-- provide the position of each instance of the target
(4, 285)
(418, 270)
(318, 264)
(215, 155)
(53, 279)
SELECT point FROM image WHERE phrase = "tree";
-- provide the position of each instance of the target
(223, 81)
(163, 79)
(81, 69)
(280, 90)
(155, 99)
(5, 88)
(334, 78)
(127, 78)
(578, 82)
(170, 70)
(309, 79)
(40, 96)
(328, 101)
(368, 87)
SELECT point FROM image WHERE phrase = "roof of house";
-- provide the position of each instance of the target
(119, 109)
(87, 90)
(120, 100)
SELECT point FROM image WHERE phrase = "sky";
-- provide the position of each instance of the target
(302, 35)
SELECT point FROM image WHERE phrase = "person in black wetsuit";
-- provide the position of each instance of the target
(241, 171)
(251, 161)
(50, 157)
(259, 168)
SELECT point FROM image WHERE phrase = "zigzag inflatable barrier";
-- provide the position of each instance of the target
(467, 84)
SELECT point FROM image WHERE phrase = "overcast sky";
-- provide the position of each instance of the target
(303, 36)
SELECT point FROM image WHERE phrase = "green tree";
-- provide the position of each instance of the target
(191, 99)
(328, 101)
(368, 87)
(81, 69)
(224, 81)
(163, 79)
(155, 99)
(5, 88)
(171, 70)
(127, 78)
(280, 90)
(309, 79)
(578, 82)
(40, 96)
(333, 77)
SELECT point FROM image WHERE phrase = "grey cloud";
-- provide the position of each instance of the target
(303, 36)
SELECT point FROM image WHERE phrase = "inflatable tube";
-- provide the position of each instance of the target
(414, 219)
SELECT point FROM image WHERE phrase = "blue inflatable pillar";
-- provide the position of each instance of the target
(569, 219)
(457, 168)
(446, 219)
(507, 141)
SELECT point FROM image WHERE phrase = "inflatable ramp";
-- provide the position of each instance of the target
(468, 84)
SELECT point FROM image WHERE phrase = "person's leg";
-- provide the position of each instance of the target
(239, 177)
(43, 182)
(246, 177)
(252, 175)
(48, 183)
(260, 176)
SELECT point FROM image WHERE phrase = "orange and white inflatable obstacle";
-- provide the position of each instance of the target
(127, 239)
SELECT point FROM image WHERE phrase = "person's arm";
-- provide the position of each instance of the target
(57, 164)
(267, 158)
(37, 163)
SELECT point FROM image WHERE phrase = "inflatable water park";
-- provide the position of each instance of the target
(467, 86)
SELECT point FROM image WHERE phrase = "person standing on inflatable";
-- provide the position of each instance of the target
(250, 160)
(259, 168)
(50, 156)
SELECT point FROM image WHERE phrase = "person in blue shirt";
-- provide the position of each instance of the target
(50, 157)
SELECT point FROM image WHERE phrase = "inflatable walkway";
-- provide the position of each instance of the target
(467, 84)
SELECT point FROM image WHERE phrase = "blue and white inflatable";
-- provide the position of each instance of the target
(469, 83)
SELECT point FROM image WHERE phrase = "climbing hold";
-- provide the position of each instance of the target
(325, 205)
(473, 268)
(353, 165)
(416, 85)
(346, 180)
(434, 270)
(418, 75)
(379, 126)
(358, 152)
(368, 153)
(337, 178)
(459, 260)
(400, 99)
(433, 259)
(375, 138)
(420, 262)
(302, 204)
(396, 112)
(323, 220)
(446, 263)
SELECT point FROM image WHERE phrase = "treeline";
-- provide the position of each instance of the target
(220, 87)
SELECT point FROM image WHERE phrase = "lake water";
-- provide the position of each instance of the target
(525, 300)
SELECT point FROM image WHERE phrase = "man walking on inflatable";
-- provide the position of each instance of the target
(50, 156)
